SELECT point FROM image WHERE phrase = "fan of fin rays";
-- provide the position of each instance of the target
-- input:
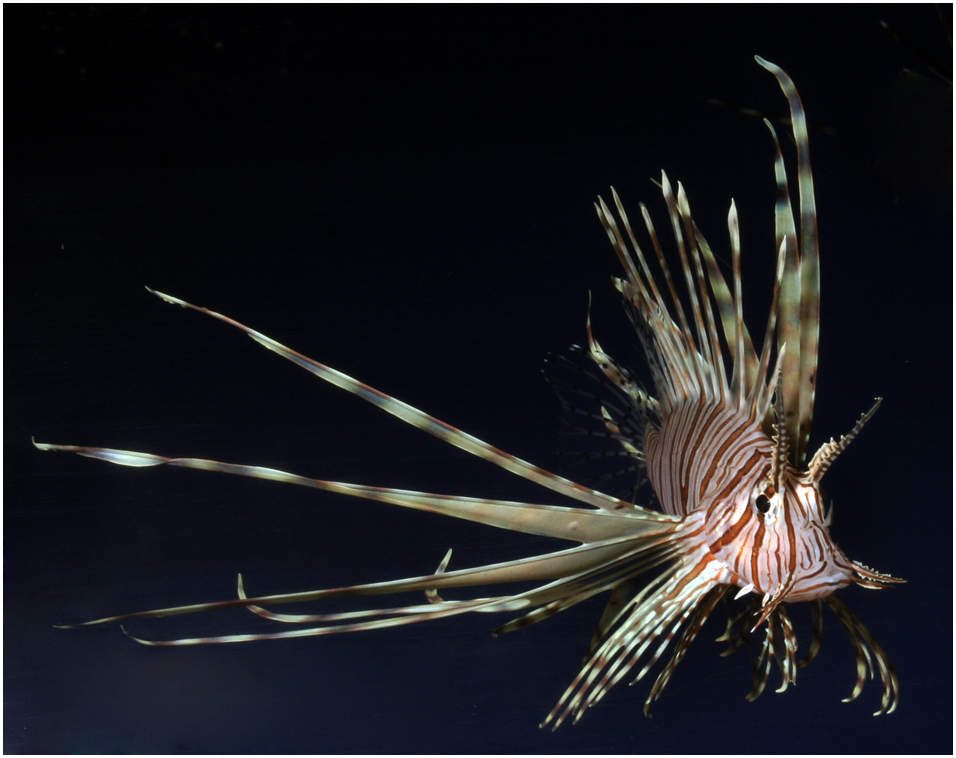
(618, 541)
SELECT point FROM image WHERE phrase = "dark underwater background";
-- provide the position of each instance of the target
(406, 194)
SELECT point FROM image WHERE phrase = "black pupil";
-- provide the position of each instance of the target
(763, 503)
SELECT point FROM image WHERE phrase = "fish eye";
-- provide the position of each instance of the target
(762, 502)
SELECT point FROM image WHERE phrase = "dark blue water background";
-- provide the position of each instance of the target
(406, 195)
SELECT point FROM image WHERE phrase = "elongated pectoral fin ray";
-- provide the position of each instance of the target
(577, 524)
(315, 618)
(561, 567)
(422, 420)
(575, 575)
(402, 616)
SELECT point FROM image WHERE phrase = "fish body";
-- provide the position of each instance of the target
(723, 443)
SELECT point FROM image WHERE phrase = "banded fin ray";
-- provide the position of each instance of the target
(799, 315)
(575, 524)
(425, 422)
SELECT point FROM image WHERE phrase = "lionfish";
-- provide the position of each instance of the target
(723, 444)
